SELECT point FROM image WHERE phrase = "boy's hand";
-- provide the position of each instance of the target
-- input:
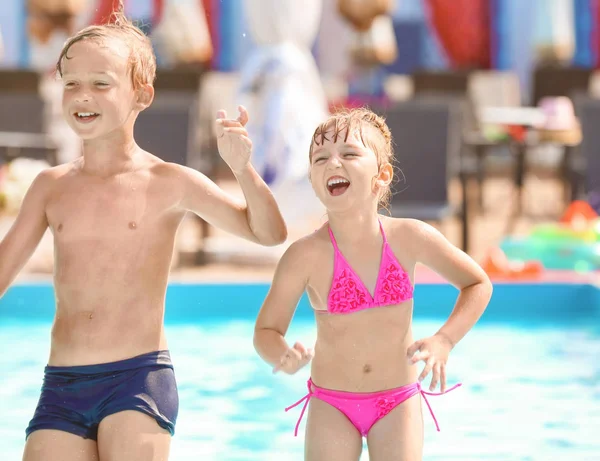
(233, 142)
(295, 358)
(434, 352)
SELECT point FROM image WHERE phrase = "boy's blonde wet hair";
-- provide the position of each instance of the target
(348, 121)
(142, 61)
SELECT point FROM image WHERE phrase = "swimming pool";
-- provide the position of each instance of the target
(530, 370)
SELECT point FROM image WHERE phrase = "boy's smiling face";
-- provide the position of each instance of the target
(99, 97)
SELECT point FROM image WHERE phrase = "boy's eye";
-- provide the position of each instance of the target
(101, 84)
(319, 159)
(69, 84)
(350, 154)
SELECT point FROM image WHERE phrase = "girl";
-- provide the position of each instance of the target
(358, 272)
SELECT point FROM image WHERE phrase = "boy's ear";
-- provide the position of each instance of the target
(145, 96)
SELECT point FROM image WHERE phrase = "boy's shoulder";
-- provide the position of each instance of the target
(51, 176)
(166, 170)
(58, 171)
(47, 181)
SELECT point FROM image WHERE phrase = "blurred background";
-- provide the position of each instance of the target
(492, 105)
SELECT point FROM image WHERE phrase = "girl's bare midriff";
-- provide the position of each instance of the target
(364, 351)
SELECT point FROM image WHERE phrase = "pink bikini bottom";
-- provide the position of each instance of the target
(365, 409)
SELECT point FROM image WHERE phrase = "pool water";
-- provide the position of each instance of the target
(531, 390)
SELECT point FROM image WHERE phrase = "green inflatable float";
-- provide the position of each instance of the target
(558, 247)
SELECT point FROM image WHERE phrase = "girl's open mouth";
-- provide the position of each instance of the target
(337, 185)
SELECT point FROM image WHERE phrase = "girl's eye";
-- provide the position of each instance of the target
(101, 84)
(320, 159)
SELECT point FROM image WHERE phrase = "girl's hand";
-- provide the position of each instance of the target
(295, 358)
(434, 352)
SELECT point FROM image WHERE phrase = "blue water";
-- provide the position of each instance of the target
(530, 374)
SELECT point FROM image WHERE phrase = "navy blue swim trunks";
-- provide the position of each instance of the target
(75, 399)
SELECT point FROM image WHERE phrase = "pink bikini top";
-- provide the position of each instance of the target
(349, 294)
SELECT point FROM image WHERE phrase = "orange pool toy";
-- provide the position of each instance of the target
(497, 265)
(578, 212)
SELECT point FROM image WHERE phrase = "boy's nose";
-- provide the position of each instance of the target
(82, 97)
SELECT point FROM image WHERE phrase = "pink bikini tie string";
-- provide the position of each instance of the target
(425, 393)
(304, 399)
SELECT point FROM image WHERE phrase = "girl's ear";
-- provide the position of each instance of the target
(385, 176)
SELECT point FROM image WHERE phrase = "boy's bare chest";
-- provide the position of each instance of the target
(106, 210)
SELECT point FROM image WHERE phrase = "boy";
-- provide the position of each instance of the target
(109, 390)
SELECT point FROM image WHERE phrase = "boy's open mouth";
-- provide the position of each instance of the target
(337, 185)
(86, 117)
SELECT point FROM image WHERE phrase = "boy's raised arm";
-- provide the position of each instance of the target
(258, 219)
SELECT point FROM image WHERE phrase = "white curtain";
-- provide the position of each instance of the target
(281, 87)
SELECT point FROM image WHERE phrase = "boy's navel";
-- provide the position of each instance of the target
(132, 225)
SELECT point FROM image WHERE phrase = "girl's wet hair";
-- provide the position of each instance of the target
(347, 121)
(142, 61)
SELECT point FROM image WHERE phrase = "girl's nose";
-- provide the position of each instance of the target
(334, 161)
